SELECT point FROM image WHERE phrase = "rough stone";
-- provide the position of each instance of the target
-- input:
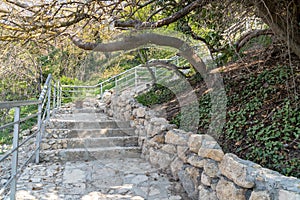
(284, 194)
(45, 146)
(210, 148)
(140, 112)
(177, 137)
(206, 180)
(215, 154)
(196, 161)
(195, 142)
(74, 176)
(128, 107)
(228, 190)
(26, 132)
(211, 168)
(206, 194)
(260, 195)
(106, 97)
(182, 153)
(171, 149)
(158, 139)
(158, 158)
(195, 175)
(3, 181)
(188, 184)
(156, 126)
(229, 180)
(139, 179)
(51, 142)
(176, 166)
(127, 115)
(232, 167)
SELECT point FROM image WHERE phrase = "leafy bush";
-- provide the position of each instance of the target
(204, 115)
(7, 134)
(156, 95)
(67, 94)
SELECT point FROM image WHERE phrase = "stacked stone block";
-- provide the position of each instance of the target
(197, 161)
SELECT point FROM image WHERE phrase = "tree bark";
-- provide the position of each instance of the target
(135, 41)
(167, 65)
(250, 35)
(283, 19)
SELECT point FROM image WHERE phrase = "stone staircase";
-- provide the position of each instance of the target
(82, 132)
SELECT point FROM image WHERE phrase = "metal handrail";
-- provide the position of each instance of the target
(11, 104)
(43, 104)
(133, 77)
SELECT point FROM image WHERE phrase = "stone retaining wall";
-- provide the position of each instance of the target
(197, 161)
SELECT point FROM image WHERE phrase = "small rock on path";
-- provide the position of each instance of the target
(109, 179)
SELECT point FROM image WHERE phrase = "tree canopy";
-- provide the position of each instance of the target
(210, 21)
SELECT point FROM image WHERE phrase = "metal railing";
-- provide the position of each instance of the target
(45, 106)
(51, 98)
(53, 94)
(135, 78)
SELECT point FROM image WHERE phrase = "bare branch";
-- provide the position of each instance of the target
(166, 64)
(181, 13)
(248, 36)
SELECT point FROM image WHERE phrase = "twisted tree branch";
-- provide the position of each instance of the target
(166, 21)
(135, 41)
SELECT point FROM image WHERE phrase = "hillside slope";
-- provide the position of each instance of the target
(263, 114)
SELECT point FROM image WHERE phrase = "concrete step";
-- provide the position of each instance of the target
(87, 110)
(88, 133)
(88, 154)
(67, 110)
(75, 143)
(77, 124)
(82, 116)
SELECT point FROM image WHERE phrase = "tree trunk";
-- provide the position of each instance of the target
(283, 18)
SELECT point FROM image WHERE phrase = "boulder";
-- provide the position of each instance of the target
(228, 190)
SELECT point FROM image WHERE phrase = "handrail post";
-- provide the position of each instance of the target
(14, 161)
(54, 98)
(58, 94)
(49, 101)
(135, 79)
(38, 136)
(101, 90)
(116, 85)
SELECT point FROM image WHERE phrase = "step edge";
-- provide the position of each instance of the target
(94, 149)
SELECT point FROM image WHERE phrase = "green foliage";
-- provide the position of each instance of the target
(260, 41)
(186, 121)
(16, 87)
(226, 55)
(195, 77)
(64, 80)
(63, 62)
(156, 95)
(69, 93)
(204, 115)
(274, 140)
(264, 128)
(7, 134)
(262, 122)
